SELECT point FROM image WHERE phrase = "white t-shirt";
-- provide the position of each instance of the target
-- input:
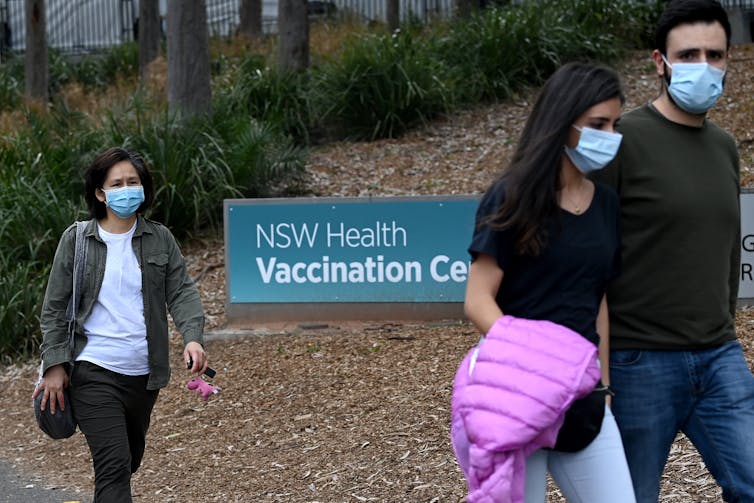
(115, 329)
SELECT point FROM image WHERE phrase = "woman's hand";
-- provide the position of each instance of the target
(52, 385)
(194, 353)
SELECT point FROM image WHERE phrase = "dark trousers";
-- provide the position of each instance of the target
(113, 412)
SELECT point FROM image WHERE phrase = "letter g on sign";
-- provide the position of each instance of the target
(747, 243)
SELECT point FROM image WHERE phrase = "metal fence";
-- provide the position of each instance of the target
(72, 26)
(374, 10)
(91, 25)
(740, 4)
(223, 17)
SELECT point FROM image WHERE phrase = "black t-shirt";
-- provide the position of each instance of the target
(566, 282)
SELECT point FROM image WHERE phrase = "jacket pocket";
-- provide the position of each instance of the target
(156, 267)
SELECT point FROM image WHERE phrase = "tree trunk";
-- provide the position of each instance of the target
(189, 90)
(250, 12)
(293, 30)
(148, 34)
(36, 73)
(393, 14)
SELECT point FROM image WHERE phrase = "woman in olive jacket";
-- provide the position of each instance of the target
(134, 273)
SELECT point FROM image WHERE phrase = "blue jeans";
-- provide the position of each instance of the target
(596, 474)
(706, 394)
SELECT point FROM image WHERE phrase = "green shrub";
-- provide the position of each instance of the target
(495, 52)
(93, 71)
(57, 144)
(40, 195)
(263, 161)
(119, 62)
(631, 24)
(61, 71)
(33, 217)
(501, 50)
(10, 89)
(97, 71)
(199, 163)
(381, 86)
(266, 95)
(22, 287)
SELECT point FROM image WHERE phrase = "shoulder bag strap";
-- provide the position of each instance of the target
(79, 263)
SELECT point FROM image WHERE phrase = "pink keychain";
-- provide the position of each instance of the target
(200, 386)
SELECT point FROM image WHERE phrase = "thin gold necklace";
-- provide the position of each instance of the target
(576, 204)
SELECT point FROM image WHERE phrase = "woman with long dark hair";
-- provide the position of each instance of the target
(545, 245)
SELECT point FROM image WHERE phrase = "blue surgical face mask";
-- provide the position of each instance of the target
(124, 201)
(595, 149)
(695, 87)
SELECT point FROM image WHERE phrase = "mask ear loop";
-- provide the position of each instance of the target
(666, 77)
(666, 74)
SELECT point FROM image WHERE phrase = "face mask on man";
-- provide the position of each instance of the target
(124, 201)
(595, 149)
(695, 87)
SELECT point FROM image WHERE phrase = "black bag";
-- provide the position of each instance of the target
(62, 424)
(583, 421)
(59, 425)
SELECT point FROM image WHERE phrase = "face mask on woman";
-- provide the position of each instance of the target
(124, 201)
(695, 87)
(595, 149)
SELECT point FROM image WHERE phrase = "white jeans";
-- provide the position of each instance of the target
(597, 474)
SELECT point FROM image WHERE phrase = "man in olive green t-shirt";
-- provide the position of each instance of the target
(675, 362)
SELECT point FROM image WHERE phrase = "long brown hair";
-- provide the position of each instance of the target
(532, 179)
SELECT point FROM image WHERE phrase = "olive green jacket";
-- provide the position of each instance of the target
(165, 283)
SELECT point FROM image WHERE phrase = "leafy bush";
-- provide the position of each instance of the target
(269, 96)
(263, 160)
(20, 308)
(630, 24)
(119, 62)
(95, 71)
(198, 164)
(380, 86)
(496, 52)
(503, 49)
(10, 89)
(33, 216)
(40, 195)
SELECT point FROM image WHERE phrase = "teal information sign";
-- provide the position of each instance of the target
(390, 249)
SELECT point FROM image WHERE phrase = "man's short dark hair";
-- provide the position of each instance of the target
(679, 12)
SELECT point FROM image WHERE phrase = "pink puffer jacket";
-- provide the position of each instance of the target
(525, 375)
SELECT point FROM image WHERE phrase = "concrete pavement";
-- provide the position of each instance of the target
(19, 488)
